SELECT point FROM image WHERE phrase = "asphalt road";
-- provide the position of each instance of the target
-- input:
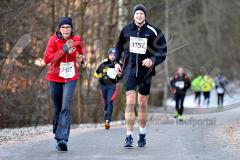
(198, 137)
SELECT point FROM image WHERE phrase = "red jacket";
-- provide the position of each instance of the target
(54, 56)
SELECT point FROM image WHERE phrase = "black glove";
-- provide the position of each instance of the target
(83, 59)
(65, 48)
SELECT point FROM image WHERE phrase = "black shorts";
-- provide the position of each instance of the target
(143, 84)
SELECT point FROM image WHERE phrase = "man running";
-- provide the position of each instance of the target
(180, 84)
(144, 48)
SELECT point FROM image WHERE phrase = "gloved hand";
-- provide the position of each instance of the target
(65, 48)
(81, 58)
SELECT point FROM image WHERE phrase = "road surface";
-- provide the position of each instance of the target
(198, 137)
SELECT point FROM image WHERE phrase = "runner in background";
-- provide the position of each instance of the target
(207, 86)
(180, 83)
(221, 83)
(196, 87)
(108, 80)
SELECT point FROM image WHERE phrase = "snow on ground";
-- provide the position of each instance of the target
(229, 99)
(15, 135)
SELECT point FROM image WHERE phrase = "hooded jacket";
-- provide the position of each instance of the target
(207, 83)
(156, 48)
(102, 73)
(196, 84)
(54, 57)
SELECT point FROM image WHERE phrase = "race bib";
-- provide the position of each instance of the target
(138, 45)
(180, 84)
(220, 90)
(111, 73)
(67, 70)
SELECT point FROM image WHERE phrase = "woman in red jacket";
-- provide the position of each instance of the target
(63, 51)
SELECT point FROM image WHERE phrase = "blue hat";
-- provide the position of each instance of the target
(111, 50)
(139, 7)
(65, 20)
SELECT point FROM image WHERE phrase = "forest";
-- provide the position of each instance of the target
(203, 37)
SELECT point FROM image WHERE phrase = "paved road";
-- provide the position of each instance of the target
(166, 140)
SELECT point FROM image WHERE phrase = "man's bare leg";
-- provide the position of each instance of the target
(142, 118)
(142, 111)
(129, 111)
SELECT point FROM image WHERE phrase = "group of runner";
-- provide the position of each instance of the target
(205, 84)
(180, 83)
(144, 47)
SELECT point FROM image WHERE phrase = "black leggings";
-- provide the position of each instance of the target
(220, 99)
(206, 97)
(198, 97)
(179, 99)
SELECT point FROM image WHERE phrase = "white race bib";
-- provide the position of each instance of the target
(111, 73)
(138, 45)
(180, 84)
(67, 70)
(220, 90)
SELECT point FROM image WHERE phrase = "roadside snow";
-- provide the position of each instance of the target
(14, 135)
(229, 99)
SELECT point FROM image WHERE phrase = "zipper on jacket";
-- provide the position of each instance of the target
(66, 62)
(137, 54)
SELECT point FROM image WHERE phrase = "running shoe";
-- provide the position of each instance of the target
(128, 142)
(141, 141)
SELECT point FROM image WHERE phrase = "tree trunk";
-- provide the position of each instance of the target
(110, 24)
(53, 16)
(122, 13)
(67, 7)
(166, 83)
(79, 83)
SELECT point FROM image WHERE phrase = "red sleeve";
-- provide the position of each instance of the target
(51, 55)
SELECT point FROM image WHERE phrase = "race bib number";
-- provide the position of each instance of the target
(111, 73)
(180, 84)
(67, 70)
(138, 45)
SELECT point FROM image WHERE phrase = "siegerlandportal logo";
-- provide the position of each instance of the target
(167, 120)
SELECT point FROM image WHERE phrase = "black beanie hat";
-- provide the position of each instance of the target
(65, 20)
(139, 7)
(111, 50)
